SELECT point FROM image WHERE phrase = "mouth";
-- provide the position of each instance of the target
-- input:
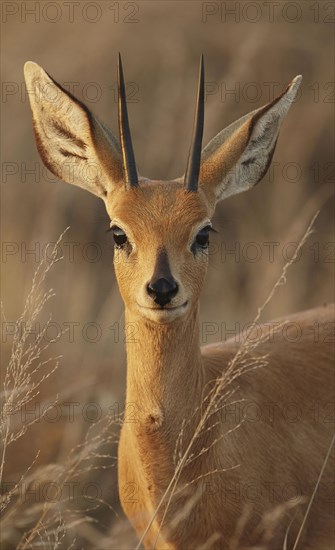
(164, 314)
(165, 308)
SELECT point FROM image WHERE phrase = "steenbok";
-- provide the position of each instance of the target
(191, 473)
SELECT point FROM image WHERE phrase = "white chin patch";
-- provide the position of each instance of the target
(164, 316)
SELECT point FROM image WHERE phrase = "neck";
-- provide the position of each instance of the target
(164, 390)
(164, 376)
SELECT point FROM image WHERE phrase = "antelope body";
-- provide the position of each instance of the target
(235, 483)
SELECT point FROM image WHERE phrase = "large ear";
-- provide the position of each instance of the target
(239, 156)
(72, 143)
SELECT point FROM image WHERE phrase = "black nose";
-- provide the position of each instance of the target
(162, 290)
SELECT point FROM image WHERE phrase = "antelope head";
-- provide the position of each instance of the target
(161, 228)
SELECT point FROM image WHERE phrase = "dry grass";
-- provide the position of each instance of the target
(26, 370)
(33, 515)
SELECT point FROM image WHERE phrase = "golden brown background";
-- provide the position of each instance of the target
(251, 52)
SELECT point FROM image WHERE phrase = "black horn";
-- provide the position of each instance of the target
(194, 157)
(129, 165)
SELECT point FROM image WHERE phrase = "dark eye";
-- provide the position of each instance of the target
(120, 238)
(202, 238)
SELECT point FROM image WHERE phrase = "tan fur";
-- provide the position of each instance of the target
(235, 489)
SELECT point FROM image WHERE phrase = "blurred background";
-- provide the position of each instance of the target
(252, 50)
